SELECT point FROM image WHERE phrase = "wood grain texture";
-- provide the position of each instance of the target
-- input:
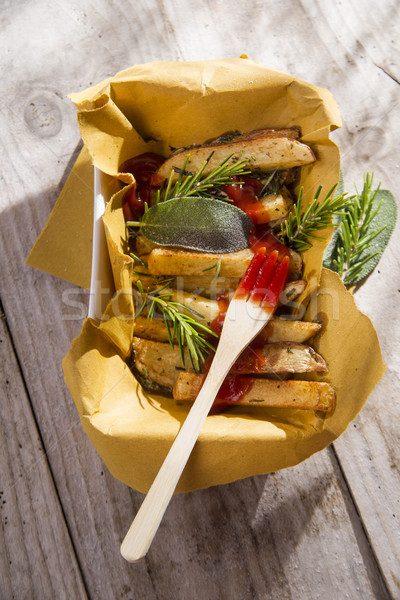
(37, 558)
(296, 533)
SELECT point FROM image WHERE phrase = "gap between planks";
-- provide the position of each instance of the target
(363, 526)
(44, 478)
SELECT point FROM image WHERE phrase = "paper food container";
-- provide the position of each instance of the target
(154, 107)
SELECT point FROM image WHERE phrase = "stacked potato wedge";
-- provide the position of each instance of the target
(282, 350)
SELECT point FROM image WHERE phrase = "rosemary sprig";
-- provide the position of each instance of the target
(180, 326)
(298, 229)
(354, 240)
(195, 184)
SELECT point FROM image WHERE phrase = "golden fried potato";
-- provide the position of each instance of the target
(305, 395)
(265, 149)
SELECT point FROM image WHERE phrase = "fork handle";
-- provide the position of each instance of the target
(144, 527)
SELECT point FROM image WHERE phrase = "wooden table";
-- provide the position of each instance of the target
(329, 528)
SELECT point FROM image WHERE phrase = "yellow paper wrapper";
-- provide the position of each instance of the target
(133, 431)
(70, 226)
(173, 104)
(154, 106)
(151, 108)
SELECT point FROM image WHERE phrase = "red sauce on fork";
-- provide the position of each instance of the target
(262, 284)
(262, 236)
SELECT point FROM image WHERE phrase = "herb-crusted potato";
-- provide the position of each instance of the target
(161, 363)
(172, 261)
(304, 395)
(265, 149)
(276, 330)
(184, 293)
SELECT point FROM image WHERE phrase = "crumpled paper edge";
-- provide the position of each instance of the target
(123, 422)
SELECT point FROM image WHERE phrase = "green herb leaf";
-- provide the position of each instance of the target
(298, 230)
(217, 267)
(198, 184)
(182, 328)
(197, 223)
(337, 218)
(362, 233)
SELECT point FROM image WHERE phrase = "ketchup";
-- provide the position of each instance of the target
(142, 168)
(262, 284)
(223, 303)
(245, 196)
(262, 236)
(252, 359)
(231, 391)
(234, 387)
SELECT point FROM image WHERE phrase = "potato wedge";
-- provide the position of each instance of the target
(265, 149)
(205, 285)
(205, 310)
(283, 330)
(292, 291)
(144, 246)
(279, 357)
(274, 206)
(142, 273)
(158, 362)
(304, 395)
(162, 364)
(276, 330)
(171, 261)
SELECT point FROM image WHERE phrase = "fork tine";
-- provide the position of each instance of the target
(249, 278)
(274, 289)
(264, 277)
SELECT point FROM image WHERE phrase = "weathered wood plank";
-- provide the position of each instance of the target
(91, 500)
(201, 539)
(37, 558)
(289, 534)
(368, 451)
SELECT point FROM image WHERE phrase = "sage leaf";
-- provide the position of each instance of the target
(197, 223)
(370, 246)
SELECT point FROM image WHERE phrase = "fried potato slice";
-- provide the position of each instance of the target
(283, 330)
(172, 261)
(161, 363)
(276, 330)
(279, 357)
(207, 285)
(158, 362)
(199, 308)
(265, 149)
(144, 246)
(304, 395)
(292, 291)
(273, 207)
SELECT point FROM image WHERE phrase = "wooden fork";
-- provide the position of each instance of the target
(252, 306)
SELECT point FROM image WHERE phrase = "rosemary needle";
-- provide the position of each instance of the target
(355, 236)
(196, 184)
(298, 229)
(217, 267)
(181, 326)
